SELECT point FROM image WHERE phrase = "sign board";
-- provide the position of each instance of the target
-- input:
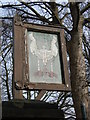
(40, 58)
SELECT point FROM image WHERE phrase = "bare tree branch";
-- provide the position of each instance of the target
(85, 8)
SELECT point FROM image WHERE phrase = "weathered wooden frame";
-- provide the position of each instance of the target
(21, 65)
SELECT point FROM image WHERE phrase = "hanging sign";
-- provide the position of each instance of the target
(40, 58)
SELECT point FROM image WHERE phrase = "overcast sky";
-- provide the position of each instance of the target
(2, 13)
(13, 1)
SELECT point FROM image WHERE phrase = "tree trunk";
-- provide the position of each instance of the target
(77, 62)
(78, 72)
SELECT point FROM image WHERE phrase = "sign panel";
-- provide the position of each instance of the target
(44, 59)
(40, 58)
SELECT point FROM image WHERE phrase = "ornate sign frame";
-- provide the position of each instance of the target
(24, 32)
